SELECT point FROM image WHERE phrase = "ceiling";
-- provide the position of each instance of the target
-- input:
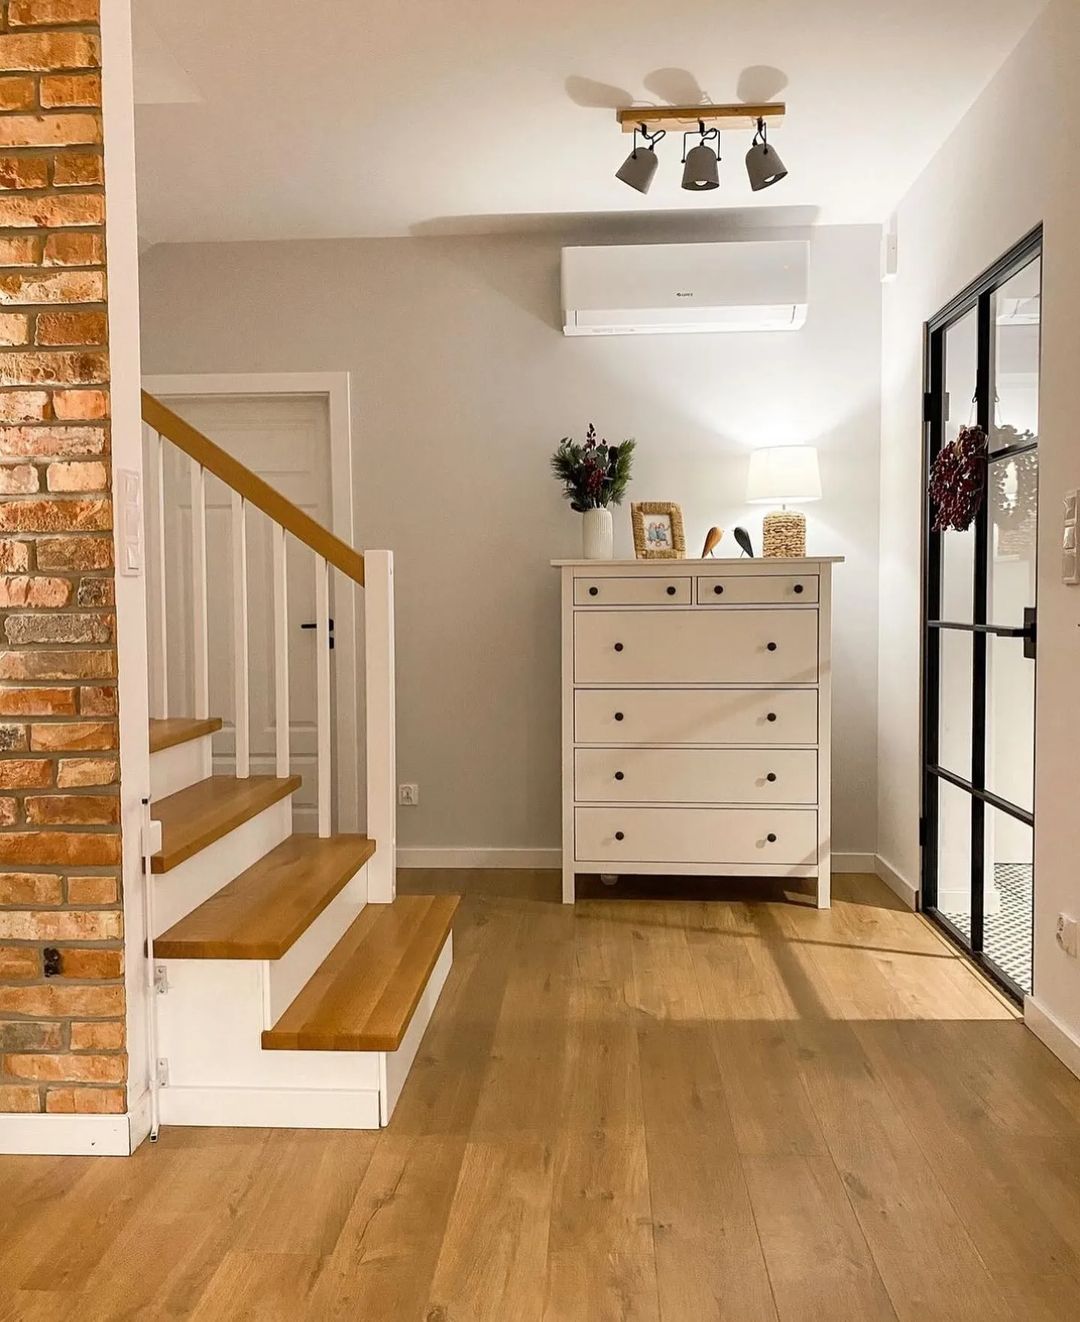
(266, 119)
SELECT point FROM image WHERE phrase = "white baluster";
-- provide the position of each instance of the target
(200, 634)
(322, 670)
(281, 652)
(241, 719)
(381, 731)
(159, 638)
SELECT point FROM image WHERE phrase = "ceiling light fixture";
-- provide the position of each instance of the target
(640, 166)
(763, 165)
(701, 171)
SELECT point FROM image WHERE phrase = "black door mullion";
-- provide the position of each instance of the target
(935, 423)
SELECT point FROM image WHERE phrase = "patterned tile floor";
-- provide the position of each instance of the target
(1008, 933)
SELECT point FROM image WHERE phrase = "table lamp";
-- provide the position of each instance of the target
(784, 475)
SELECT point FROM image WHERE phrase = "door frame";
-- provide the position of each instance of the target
(976, 297)
(335, 388)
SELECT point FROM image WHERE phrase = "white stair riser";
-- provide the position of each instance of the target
(289, 974)
(174, 769)
(187, 886)
(263, 1108)
(397, 1064)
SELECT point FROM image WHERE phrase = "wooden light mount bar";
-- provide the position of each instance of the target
(684, 119)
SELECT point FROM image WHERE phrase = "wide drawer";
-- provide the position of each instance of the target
(696, 647)
(632, 591)
(696, 835)
(695, 775)
(696, 716)
(757, 589)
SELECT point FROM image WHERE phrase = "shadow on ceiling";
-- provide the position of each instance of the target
(670, 226)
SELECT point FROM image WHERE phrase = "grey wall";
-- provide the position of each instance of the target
(462, 385)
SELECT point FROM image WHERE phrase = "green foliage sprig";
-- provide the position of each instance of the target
(594, 475)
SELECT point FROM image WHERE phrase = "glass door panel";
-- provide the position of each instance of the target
(954, 709)
(1008, 896)
(961, 350)
(953, 863)
(1010, 722)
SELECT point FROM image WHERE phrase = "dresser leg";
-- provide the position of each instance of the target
(568, 883)
(824, 889)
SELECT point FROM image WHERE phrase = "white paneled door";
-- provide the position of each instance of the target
(286, 441)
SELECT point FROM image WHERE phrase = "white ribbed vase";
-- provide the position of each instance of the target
(597, 535)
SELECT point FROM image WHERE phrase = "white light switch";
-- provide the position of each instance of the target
(129, 522)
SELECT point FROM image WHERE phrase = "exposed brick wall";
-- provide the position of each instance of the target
(61, 1015)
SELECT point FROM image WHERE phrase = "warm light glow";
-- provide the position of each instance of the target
(786, 475)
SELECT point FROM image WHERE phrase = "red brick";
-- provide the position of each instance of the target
(60, 925)
(22, 630)
(96, 592)
(79, 405)
(52, 13)
(97, 700)
(14, 329)
(9, 811)
(86, 1101)
(91, 476)
(71, 327)
(55, 515)
(53, 211)
(24, 172)
(28, 1035)
(59, 1000)
(62, 367)
(60, 287)
(36, 888)
(78, 169)
(46, 51)
(60, 1069)
(18, 480)
(72, 810)
(50, 442)
(37, 702)
(24, 773)
(70, 89)
(20, 250)
(97, 1037)
(57, 665)
(19, 964)
(13, 739)
(77, 772)
(74, 553)
(14, 557)
(59, 849)
(16, 93)
(93, 890)
(36, 592)
(19, 1099)
(69, 736)
(74, 249)
(91, 965)
(23, 406)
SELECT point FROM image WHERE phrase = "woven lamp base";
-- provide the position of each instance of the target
(784, 535)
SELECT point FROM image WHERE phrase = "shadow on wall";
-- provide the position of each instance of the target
(674, 87)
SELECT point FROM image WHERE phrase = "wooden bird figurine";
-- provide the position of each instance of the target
(743, 538)
(712, 541)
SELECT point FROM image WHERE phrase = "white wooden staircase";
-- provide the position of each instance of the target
(290, 986)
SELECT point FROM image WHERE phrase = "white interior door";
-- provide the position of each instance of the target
(286, 441)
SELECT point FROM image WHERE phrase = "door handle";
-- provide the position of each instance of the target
(313, 624)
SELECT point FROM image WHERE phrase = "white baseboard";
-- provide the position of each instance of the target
(1053, 1034)
(896, 883)
(479, 858)
(65, 1135)
(853, 863)
(271, 1108)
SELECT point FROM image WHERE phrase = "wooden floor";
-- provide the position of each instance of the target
(635, 1109)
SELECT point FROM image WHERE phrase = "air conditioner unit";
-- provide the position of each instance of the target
(684, 288)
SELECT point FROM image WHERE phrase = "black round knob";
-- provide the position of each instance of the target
(771, 838)
(619, 835)
(771, 777)
(620, 775)
(798, 589)
(671, 592)
(771, 716)
(618, 716)
(618, 647)
(594, 592)
(719, 590)
(771, 647)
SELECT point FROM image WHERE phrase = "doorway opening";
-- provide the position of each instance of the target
(980, 625)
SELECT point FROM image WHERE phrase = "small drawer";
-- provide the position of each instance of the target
(758, 590)
(780, 837)
(660, 591)
(696, 716)
(695, 775)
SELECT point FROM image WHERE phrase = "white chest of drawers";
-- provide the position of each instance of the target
(696, 718)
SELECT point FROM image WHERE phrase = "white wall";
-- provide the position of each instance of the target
(1005, 169)
(462, 385)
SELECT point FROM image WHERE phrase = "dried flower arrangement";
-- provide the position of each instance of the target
(594, 475)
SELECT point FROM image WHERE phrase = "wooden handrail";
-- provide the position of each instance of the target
(252, 487)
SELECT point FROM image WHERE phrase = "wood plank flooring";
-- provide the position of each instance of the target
(642, 1108)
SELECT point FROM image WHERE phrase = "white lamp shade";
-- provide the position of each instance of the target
(783, 475)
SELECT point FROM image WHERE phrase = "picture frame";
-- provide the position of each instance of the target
(658, 530)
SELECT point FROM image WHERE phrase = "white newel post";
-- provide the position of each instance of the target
(381, 703)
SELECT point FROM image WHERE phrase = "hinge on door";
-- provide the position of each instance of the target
(162, 1071)
(161, 979)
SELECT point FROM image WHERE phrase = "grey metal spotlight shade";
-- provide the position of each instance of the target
(764, 167)
(638, 169)
(701, 171)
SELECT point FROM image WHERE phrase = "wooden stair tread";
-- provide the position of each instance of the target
(264, 910)
(180, 730)
(363, 996)
(195, 817)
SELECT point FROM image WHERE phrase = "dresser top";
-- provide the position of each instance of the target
(724, 563)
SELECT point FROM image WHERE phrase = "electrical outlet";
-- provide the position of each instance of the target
(408, 795)
(1067, 934)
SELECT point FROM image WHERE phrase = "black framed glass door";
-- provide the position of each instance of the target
(980, 625)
